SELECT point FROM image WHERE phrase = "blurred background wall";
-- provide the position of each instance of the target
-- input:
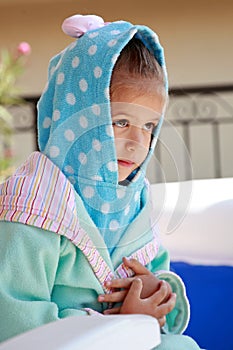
(197, 35)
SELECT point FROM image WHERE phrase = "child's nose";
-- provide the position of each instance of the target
(134, 138)
(135, 134)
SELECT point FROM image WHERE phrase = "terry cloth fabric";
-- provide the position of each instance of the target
(71, 188)
(75, 126)
(39, 195)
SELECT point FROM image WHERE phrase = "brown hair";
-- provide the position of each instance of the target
(136, 68)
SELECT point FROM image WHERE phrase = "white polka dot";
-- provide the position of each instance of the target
(105, 208)
(112, 42)
(47, 122)
(60, 78)
(69, 135)
(96, 109)
(92, 49)
(54, 151)
(136, 196)
(83, 122)
(126, 211)
(93, 35)
(70, 98)
(82, 158)
(114, 225)
(69, 169)
(97, 72)
(112, 166)
(56, 115)
(88, 192)
(96, 144)
(115, 32)
(120, 192)
(109, 130)
(83, 85)
(75, 62)
(106, 93)
(114, 58)
(97, 178)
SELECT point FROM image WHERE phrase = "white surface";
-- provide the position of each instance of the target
(195, 220)
(138, 332)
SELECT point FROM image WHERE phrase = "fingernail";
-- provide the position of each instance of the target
(101, 298)
(107, 283)
(137, 280)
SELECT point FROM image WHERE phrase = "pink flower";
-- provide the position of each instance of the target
(24, 48)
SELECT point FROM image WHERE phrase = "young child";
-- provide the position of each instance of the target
(77, 233)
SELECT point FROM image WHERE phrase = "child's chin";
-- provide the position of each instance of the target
(124, 176)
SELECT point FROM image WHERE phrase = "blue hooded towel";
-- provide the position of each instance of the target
(75, 128)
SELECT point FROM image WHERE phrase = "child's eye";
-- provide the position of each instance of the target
(121, 123)
(149, 126)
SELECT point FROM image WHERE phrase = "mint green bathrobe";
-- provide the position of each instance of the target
(65, 221)
(53, 268)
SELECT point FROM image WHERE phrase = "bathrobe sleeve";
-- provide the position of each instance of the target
(33, 262)
(177, 320)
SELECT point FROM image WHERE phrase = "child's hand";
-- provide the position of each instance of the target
(153, 305)
(158, 305)
(150, 285)
(149, 281)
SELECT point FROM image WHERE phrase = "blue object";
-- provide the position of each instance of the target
(75, 125)
(210, 292)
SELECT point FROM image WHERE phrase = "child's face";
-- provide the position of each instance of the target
(134, 119)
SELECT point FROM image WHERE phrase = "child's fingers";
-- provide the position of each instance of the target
(119, 283)
(158, 297)
(136, 266)
(169, 292)
(113, 311)
(115, 297)
(162, 321)
(163, 309)
(169, 288)
(135, 290)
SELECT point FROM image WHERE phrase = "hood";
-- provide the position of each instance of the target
(75, 127)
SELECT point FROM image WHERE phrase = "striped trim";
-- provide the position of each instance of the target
(41, 198)
(40, 195)
(143, 255)
(98, 264)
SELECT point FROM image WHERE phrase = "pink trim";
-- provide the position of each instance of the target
(143, 255)
(58, 215)
(40, 195)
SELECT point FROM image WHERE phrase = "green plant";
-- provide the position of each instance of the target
(12, 65)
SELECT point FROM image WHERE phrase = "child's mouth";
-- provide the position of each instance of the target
(125, 163)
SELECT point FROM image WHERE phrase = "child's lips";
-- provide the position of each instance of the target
(125, 163)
